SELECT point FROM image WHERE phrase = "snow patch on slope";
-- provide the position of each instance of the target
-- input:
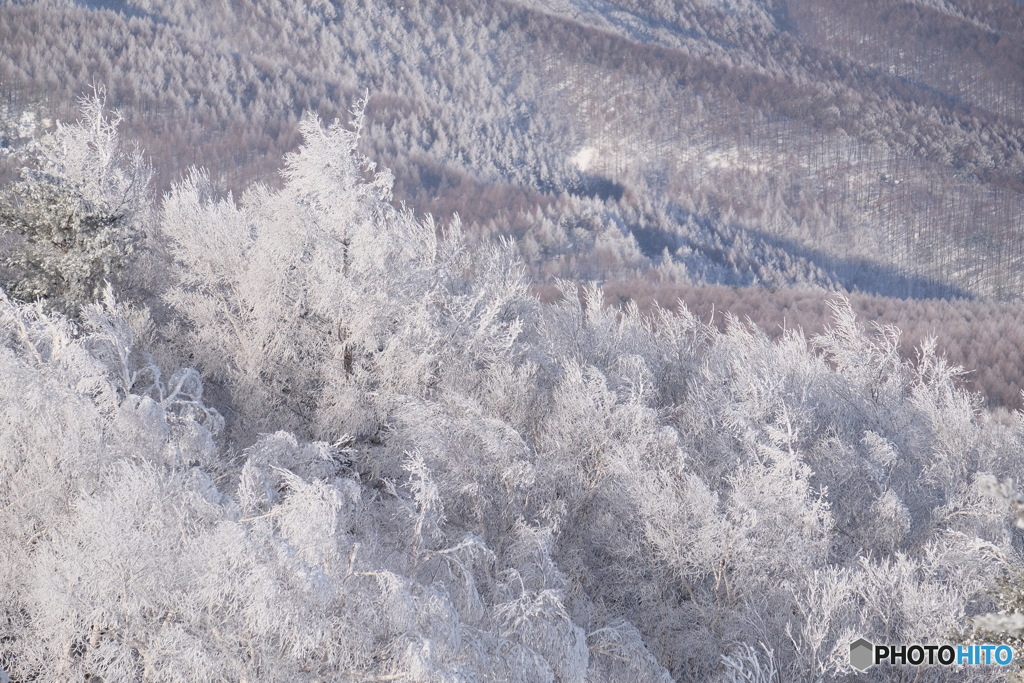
(583, 158)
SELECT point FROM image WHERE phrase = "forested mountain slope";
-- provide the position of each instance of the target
(872, 145)
(306, 435)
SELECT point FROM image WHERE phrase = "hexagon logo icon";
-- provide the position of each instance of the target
(862, 654)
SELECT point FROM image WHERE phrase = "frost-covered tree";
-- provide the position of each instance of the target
(311, 300)
(423, 473)
(135, 551)
(73, 219)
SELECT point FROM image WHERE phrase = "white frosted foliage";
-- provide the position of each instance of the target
(366, 452)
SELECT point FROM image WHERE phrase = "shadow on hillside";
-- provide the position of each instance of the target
(122, 8)
(865, 275)
(736, 253)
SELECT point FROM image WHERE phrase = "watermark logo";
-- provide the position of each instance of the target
(865, 654)
(862, 654)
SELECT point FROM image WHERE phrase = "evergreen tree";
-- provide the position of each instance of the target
(73, 219)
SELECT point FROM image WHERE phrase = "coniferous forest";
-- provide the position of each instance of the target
(509, 340)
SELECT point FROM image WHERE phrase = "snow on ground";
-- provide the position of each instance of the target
(583, 158)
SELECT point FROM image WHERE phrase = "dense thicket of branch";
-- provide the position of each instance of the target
(983, 337)
(409, 467)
